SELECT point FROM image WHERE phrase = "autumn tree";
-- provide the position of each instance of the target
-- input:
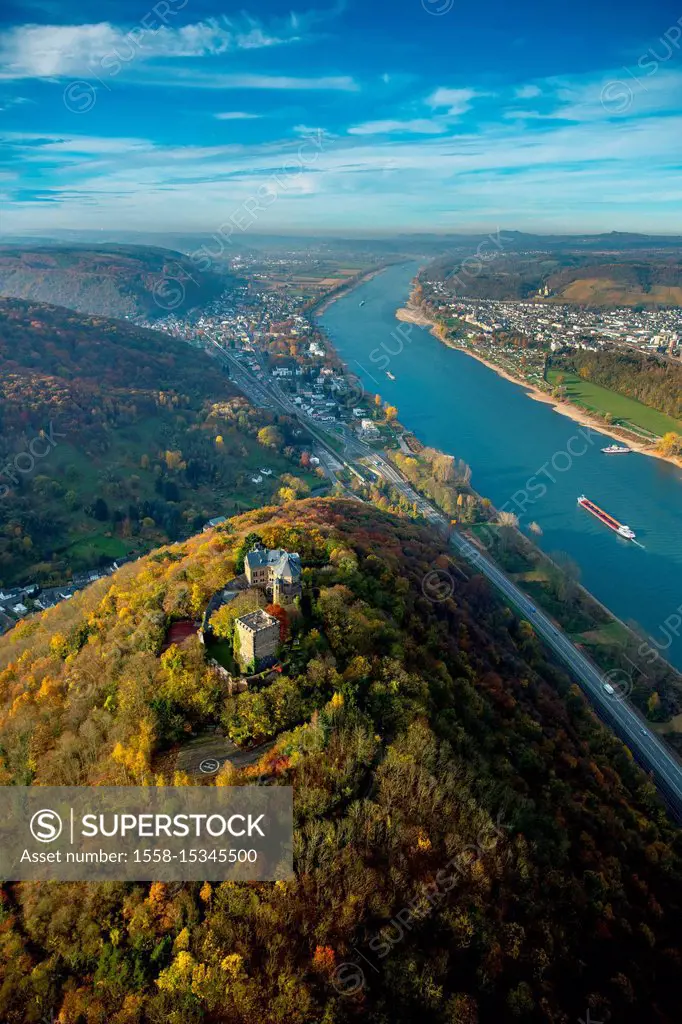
(271, 437)
(670, 445)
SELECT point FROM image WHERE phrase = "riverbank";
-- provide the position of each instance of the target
(326, 301)
(457, 405)
(414, 314)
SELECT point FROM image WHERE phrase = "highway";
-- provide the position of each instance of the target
(647, 748)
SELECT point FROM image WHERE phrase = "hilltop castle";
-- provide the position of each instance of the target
(277, 571)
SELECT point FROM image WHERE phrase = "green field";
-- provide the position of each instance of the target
(625, 411)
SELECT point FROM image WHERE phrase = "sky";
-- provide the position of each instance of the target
(355, 116)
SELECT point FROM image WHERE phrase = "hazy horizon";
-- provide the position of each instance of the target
(425, 117)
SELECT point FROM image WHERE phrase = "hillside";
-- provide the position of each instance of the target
(114, 439)
(115, 280)
(647, 279)
(620, 284)
(471, 844)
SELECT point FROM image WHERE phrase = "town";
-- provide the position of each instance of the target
(269, 344)
(550, 326)
(279, 357)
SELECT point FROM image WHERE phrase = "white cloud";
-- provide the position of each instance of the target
(458, 101)
(307, 132)
(236, 115)
(416, 126)
(47, 51)
(526, 115)
(528, 92)
(183, 79)
(504, 170)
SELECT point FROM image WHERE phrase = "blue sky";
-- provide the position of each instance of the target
(354, 116)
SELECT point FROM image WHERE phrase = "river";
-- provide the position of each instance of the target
(515, 444)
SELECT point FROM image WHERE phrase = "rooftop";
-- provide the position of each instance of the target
(284, 563)
(257, 620)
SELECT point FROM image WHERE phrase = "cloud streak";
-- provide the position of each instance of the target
(56, 51)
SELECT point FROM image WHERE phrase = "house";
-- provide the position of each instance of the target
(218, 521)
(368, 428)
(256, 638)
(358, 413)
(258, 479)
(277, 571)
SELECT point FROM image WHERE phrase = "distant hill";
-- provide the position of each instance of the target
(645, 278)
(415, 243)
(114, 438)
(472, 845)
(116, 280)
(633, 283)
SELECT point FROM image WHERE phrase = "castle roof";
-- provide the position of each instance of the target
(255, 621)
(283, 563)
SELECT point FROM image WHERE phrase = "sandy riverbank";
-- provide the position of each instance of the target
(411, 313)
(325, 303)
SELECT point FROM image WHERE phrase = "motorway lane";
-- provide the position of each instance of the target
(644, 744)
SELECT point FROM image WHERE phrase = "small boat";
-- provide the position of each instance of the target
(390, 375)
(616, 449)
(606, 519)
(361, 303)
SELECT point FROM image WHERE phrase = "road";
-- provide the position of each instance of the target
(271, 396)
(645, 745)
(649, 750)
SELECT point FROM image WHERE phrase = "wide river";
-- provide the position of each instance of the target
(515, 444)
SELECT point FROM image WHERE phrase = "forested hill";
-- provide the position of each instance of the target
(440, 765)
(116, 281)
(114, 439)
(647, 278)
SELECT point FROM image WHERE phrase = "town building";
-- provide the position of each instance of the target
(368, 428)
(256, 638)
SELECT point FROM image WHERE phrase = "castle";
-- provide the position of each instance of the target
(256, 638)
(277, 571)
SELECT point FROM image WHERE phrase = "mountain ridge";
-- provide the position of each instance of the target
(115, 280)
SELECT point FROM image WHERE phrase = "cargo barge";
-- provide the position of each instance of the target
(606, 519)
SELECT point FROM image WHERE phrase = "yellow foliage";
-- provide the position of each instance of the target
(423, 841)
(233, 964)
(158, 893)
(136, 757)
(670, 444)
(178, 976)
(58, 645)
